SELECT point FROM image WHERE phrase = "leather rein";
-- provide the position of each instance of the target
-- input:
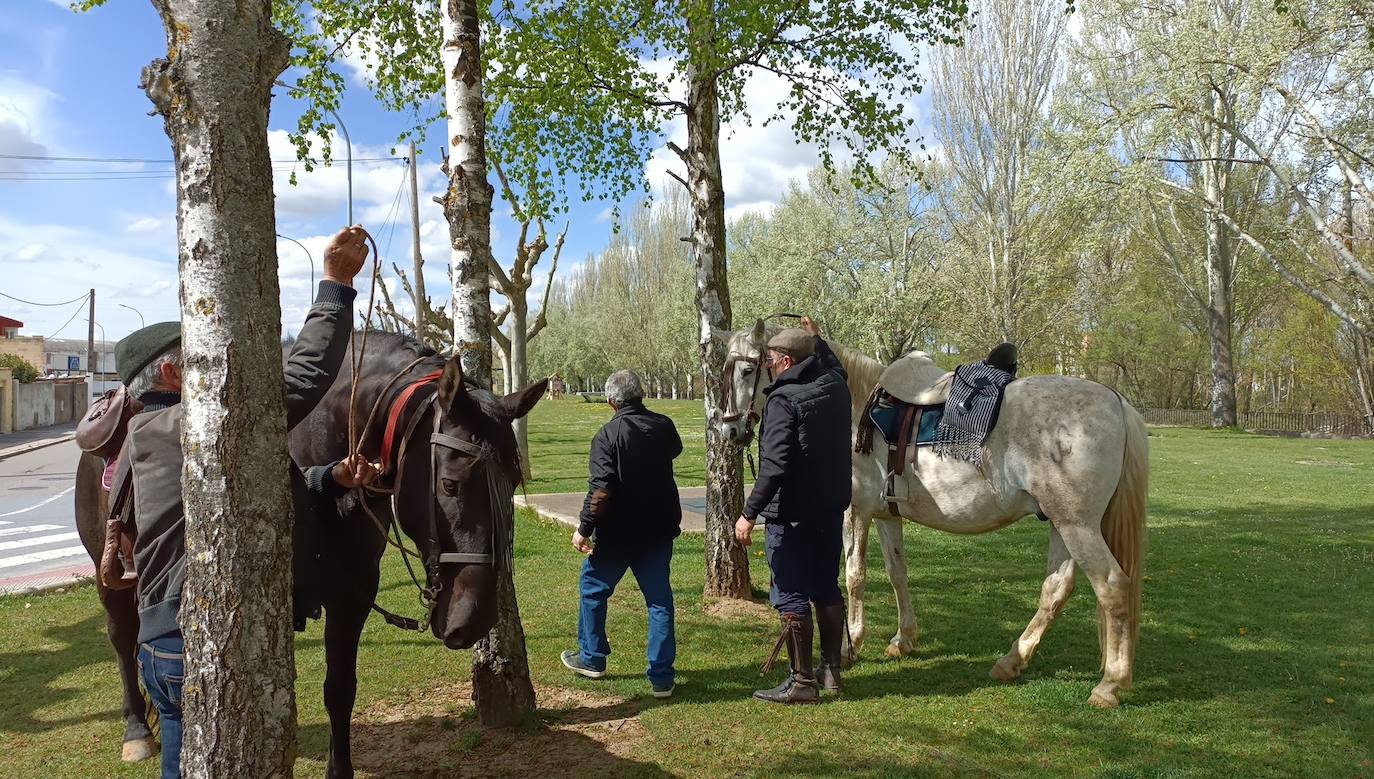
(433, 558)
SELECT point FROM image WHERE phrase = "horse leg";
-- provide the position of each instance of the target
(342, 629)
(1054, 593)
(894, 559)
(121, 625)
(856, 525)
(1112, 587)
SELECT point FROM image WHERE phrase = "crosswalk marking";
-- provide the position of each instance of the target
(39, 541)
(10, 531)
(38, 557)
(39, 505)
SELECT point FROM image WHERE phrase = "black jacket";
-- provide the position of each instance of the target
(153, 452)
(632, 497)
(804, 438)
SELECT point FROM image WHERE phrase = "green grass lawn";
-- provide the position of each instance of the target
(1257, 644)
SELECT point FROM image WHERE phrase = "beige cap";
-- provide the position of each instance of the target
(794, 342)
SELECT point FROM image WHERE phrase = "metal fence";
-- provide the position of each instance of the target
(1322, 423)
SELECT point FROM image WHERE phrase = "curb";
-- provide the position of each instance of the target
(59, 579)
(33, 445)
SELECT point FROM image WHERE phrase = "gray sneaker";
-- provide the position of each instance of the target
(572, 660)
(664, 690)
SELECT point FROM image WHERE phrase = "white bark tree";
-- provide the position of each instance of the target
(501, 687)
(213, 91)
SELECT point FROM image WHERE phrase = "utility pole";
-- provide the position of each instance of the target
(90, 343)
(417, 283)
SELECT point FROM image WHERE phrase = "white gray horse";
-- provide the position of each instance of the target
(1070, 449)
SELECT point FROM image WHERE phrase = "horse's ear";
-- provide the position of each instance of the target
(519, 403)
(757, 336)
(452, 390)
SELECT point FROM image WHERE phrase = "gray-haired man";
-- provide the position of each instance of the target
(632, 510)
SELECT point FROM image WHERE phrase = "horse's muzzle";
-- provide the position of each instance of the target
(470, 610)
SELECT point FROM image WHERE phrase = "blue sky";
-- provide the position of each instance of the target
(69, 88)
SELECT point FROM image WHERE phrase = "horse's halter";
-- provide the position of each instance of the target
(432, 558)
(727, 385)
(727, 375)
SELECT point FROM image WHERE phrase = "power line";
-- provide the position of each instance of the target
(31, 303)
(131, 160)
(69, 320)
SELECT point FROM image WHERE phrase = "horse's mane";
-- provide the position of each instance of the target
(863, 374)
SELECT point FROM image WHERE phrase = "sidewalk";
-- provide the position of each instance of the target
(37, 438)
(564, 507)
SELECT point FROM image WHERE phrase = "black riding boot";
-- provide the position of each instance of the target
(830, 624)
(800, 684)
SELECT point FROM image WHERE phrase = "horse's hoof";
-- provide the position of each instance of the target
(1104, 697)
(138, 749)
(895, 651)
(1005, 670)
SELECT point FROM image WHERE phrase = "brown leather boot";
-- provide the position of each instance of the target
(830, 624)
(800, 684)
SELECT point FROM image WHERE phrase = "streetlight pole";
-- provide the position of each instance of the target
(307, 254)
(141, 323)
(347, 142)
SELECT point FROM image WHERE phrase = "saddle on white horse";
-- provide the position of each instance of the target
(908, 409)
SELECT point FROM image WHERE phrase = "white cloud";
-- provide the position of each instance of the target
(62, 262)
(149, 224)
(25, 116)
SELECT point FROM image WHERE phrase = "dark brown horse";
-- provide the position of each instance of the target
(454, 461)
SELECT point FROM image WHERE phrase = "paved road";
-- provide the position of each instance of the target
(38, 538)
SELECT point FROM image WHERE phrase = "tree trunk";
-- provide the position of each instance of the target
(518, 372)
(1220, 264)
(501, 687)
(727, 565)
(214, 91)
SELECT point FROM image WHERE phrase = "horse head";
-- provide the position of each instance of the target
(742, 380)
(460, 522)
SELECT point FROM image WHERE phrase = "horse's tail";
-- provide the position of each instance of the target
(1123, 523)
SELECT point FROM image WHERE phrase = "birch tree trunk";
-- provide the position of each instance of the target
(727, 565)
(501, 688)
(213, 91)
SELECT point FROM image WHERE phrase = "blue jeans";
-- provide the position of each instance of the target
(601, 572)
(160, 662)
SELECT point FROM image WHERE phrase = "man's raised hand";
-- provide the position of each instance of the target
(345, 255)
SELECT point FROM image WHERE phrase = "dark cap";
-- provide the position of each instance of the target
(141, 347)
(794, 342)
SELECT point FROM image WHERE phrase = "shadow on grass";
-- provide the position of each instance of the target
(30, 676)
(433, 746)
(1244, 598)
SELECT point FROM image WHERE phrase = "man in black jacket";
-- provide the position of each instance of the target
(802, 491)
(632, 510)
(149, 363)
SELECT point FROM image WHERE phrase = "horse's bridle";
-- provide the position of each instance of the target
(433, 558)
(727, 384)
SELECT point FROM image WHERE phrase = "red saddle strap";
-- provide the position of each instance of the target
(396, 411)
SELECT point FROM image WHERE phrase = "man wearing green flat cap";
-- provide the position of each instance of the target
(149, 363)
